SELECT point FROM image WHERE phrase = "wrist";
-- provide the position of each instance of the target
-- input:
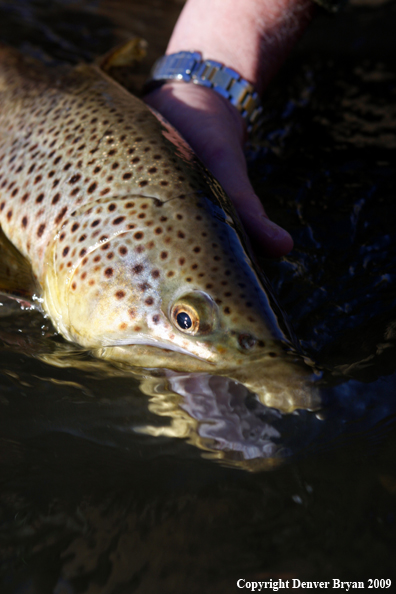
(250, 36)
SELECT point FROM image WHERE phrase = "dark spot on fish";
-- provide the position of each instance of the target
(111, 207)
(181, 234)
(92, 187)
(24, 222)
(164, 255)
(9, 215)
(109, 272)
(149, 301)
(118, 220)
(138, 235)
(55, 199)
(40, 230)
(82, 253)
(143, 183)
(123, 250)
(75, 178)
(156, 319)
(61, 215)
(144, 286)
(65, 251)
(75, 226)
(137, 269)
(120, 294)
(155, 273)
(227, 310)
(127, 176)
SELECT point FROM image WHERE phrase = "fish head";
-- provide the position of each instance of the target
(161, 284)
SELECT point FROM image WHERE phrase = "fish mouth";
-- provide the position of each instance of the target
(149, 356)
(162, 346)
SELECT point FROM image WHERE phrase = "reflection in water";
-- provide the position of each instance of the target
(108, 484)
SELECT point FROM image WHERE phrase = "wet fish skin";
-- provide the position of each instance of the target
(123, 227)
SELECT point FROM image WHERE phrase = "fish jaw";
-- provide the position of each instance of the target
(283, 383)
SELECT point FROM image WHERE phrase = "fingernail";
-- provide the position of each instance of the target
(272, 230)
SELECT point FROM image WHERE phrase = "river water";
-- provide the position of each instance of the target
(112, 484)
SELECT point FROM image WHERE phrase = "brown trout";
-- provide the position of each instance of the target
(135, 251)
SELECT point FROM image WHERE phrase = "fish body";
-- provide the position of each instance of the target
(135, 250)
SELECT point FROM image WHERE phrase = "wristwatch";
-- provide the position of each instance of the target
(189, 67)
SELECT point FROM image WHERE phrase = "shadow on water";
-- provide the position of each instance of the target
(113, 483)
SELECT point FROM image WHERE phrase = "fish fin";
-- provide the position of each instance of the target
(17, 279)
(125, 64)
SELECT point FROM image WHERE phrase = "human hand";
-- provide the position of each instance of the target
(216, 132)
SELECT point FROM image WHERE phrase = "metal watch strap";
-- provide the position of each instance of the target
(189, 67)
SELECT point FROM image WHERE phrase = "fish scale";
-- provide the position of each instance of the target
(124, 229)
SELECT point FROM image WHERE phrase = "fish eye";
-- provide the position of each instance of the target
(194, 313)
(183, 320)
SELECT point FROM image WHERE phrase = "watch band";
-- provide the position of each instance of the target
(190, 67)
